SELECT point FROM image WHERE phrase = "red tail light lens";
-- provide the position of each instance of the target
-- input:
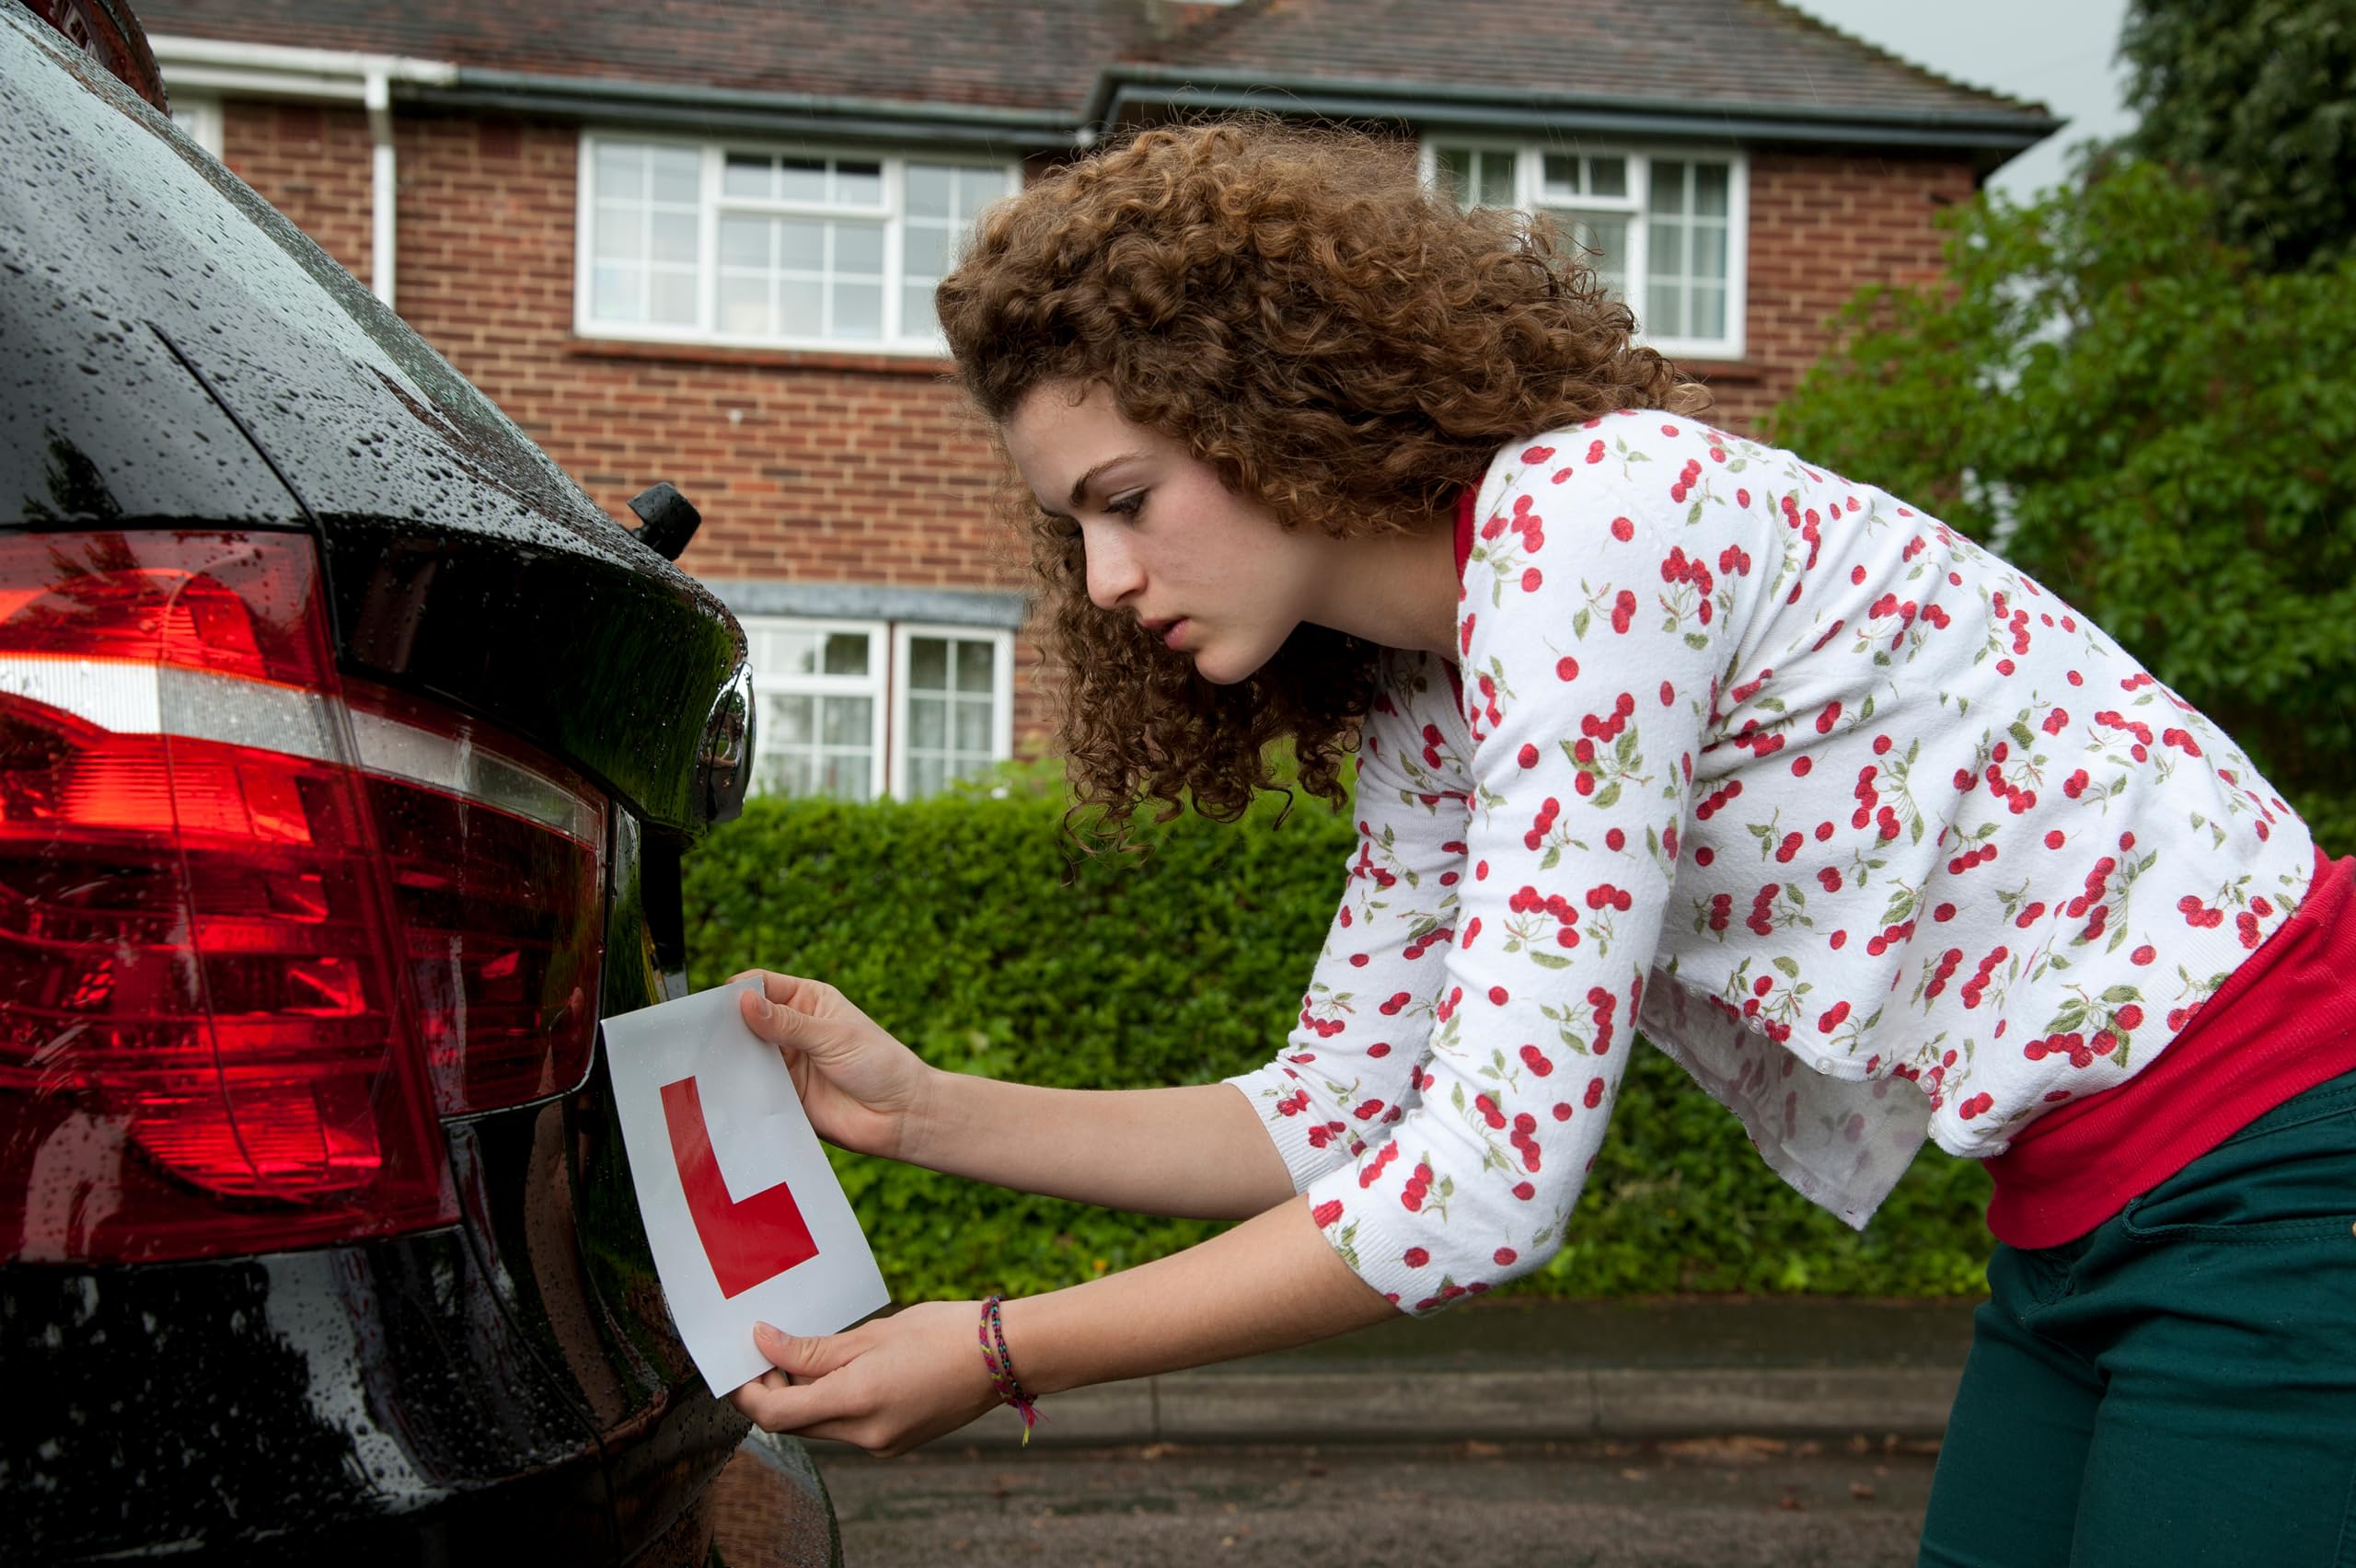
(497, 861)
(253, 924)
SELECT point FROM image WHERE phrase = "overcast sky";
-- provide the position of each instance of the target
(2057, 53)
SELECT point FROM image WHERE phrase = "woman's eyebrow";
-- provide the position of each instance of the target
(1080, 486)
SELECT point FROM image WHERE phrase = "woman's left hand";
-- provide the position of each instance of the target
(885, 1387)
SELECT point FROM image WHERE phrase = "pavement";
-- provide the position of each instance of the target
(1524, 1371)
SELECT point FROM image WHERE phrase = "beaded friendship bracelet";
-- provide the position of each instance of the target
(1000, 1366)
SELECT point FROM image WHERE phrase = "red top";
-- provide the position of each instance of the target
(2284, 1023)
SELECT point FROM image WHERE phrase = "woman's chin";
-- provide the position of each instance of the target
(1224, 670)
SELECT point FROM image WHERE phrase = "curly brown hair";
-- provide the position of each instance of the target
(1340, 343)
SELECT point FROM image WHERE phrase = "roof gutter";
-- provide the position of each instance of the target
(316, 76)
(2000, 132)
(622, 100)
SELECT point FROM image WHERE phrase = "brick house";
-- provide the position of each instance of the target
(702, 247)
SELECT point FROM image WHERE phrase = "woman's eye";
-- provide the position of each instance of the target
(1128, 505)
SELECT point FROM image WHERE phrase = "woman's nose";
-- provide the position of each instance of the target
(1114, 575)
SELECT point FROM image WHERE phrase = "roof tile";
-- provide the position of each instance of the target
(1046, 57)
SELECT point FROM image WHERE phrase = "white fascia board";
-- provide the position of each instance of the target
(270, 69)
(315, 75)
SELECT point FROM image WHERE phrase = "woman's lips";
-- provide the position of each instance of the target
(1170, 633)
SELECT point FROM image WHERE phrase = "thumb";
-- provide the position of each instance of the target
(801, 1355)
(776, 1022)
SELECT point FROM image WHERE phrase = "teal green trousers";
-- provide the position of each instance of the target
(2178, 1386)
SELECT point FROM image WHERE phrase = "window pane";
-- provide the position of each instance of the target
(859, 184)
(974, 727)
(1710, 181)
(619, 232)
(927, 664)
(932, 190)
(1665, 310)
(928, 722)
(918, 316)
(859, 249)
(785, 654)
(1607, 176)
(745, 305)
(1709, 311)
(782, 773)
(1668, 241)
(801, 245)
(1602, 242)
(973, 665)
(801, 310)
(846, 653)
(744, 242)
(616, 293)
(1669, 186)
(801, 179)
(858, 310)
(785, 719)
(676, 237)
(1562, 173)
(678, 175)
(1709, 251)
(672, 298)
(976, 189)
(1455, 169)
(621, 170)
(849, 721)
(926, 776)
(848, 775)
(925, 251)
(1497, 179)
(745, 175)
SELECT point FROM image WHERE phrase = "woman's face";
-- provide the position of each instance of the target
(1209, 571)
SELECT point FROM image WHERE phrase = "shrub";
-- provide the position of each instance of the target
(2151, 425)
(954, 924)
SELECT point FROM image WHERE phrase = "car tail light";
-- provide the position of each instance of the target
(258, 924)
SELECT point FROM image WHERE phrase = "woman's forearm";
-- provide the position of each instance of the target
(1199, 1152)
(1269, 1283)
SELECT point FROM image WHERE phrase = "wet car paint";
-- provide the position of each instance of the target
(174, 353)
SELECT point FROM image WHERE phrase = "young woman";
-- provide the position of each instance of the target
(1656, 728)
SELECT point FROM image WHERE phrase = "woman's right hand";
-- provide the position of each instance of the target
(861, 1087)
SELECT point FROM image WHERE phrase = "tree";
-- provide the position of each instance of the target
(2152, 426)
(2258, 97)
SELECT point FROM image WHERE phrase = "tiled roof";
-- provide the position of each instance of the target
(977, 52)
(1052, 57)
(1692, 53)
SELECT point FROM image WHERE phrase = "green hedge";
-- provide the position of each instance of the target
(957, 924)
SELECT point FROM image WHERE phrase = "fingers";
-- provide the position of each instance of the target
(789, 991)
(777, 1023)
(809, 1409)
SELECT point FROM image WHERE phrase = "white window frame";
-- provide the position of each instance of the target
(1529, 196)
(1001, 690)
(875, 686)
(885, 686)
(199, 117)
(895, 338)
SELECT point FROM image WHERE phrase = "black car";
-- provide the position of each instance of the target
(347, 755)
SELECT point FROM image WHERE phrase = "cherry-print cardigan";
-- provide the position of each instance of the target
(1872, 834)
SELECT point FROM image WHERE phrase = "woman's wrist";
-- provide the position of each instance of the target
(920, 1139)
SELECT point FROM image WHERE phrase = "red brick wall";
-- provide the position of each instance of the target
(1823, 225)
(313, 163)
(866, 469)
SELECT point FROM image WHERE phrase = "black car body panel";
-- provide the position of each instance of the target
(175, 354)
